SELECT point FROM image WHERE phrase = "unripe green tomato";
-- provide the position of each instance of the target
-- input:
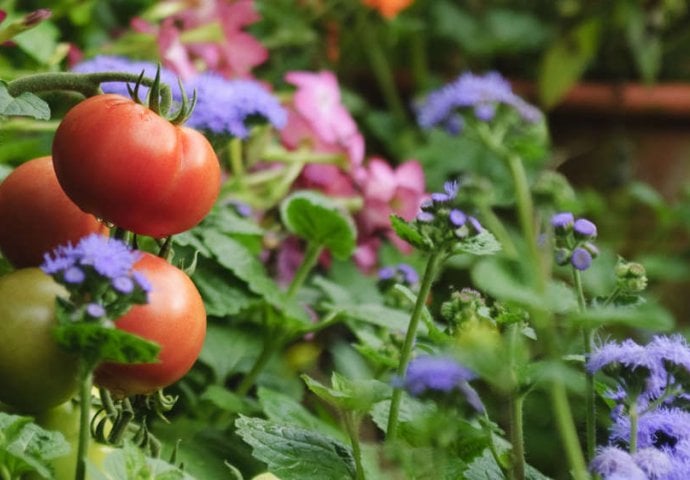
(35, 374)
(266, 476)
(65, 419)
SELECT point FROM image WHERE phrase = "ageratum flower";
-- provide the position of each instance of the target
(230, 106)
(481, 93)
(663, 428)
(612, 463)
(656, 464)
(427, 373)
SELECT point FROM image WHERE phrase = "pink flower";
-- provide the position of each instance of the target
(317, 117)
(389, 191)
(233, 57)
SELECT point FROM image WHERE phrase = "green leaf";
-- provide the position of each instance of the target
(649, 316)
(225, 347)
(390, 318)
(349, 394)
(281, 408)
(319, 220)
(483, 243)
(232, 255)
(294, 453)
(410, 234)
(101, 343)
(222, 292)
(564, 63)
(130, 463)
(26, 104)
(40, 42)
(25, 447)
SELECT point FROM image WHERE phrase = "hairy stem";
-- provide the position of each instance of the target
(86, 382)
(308, 262)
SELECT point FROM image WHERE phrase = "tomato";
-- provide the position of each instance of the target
(36, 215)
(35, 373)
(175, 318)
(125, 164)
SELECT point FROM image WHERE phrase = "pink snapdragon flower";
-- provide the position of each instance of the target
(233, 57)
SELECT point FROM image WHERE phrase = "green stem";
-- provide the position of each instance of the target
(311, 256)
(486, 426)
(88, 84)
(352, 427)
(495, 226)
(271, 344)
(633, 427)
(517, 436)
(380, 67)
(236, 163)
(590, 399)
(86, 382)
(432, 265)
(564, 418)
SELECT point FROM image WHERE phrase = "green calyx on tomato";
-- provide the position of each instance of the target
(175, 318)
(36, 215)
(129, 166)
(35, 373)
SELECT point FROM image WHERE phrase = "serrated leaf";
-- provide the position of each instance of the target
(232, 255)
(319, 220)
(25, 447)
(294, 453)
(225, 347)
(26, 104)
(97, 342)
(392, 319)
(484, 243)
(223, 294)
(411, 235)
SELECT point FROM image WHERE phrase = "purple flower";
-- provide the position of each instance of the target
(562, 220)
(481, 93)
(386, 273)
(627, 354)
(451, 188)
(110, 258)
(585, 228)
(142, 281)
(440, 197)
(475, 224)
(409, 273)
(74, 275)
(95, 310)
(581, 259)
(670, 351)
(123, 284)
(655, 463)
(425, 217)
(662, 428)
(457, 217)
(229, 106)
(60, 260)
(107, 63)
(439, 374)
(612, 463)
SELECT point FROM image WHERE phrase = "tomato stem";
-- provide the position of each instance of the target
(86, 382)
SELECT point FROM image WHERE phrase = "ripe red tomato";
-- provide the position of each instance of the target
(127, 165)
(175, 318)
(36, 215)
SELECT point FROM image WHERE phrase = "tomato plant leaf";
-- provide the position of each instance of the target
(25, 105)
(484, 243)
(130, 462)
(318, 219)
(349, 394)
(294, 453)
(234, 256)
(25, 447)
(97, 342)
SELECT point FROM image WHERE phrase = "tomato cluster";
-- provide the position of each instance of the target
(114, 162)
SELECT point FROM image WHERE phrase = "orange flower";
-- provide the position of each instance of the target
(388, 8)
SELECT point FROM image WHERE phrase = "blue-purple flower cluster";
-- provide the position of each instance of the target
(651, 404)
(573, 240)
(482, 94)
(433, 375)
(98, 273)
(401, 273)
(441, 221)
(223, 106)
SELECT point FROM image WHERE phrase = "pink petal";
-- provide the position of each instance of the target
(410, 174)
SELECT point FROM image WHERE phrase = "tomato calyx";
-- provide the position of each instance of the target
(159, 103)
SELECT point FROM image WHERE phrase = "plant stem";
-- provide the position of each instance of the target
(352, 427)
(495, 226)
(310, 258)
(633, 426)
(236, 157)
(517, 437)
(432, 265)
(590, 403)
(380, 67)
(86, 382)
